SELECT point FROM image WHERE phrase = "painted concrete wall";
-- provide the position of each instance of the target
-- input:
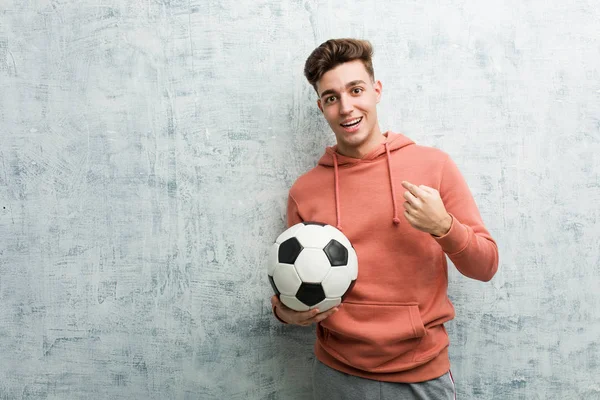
(146, 149)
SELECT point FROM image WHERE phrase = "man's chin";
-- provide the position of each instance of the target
(349, 136)
(350, 141)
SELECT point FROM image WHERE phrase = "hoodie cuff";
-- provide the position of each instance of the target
(277, 316)
(456, 239)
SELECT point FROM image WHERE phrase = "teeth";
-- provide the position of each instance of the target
(354, 121)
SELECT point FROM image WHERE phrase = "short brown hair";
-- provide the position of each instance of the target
(334, 52)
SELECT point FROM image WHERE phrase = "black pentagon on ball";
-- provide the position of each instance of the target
(272, 282)
(310, 294)
(313, 223)
(337, 253)
(289, 251)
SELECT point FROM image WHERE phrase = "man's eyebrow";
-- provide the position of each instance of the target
(348, 85)
(356, 82)
(327, 92)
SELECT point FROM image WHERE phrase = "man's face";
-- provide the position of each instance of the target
(348, 99)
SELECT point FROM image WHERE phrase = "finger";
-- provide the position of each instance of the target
(427, 189)
(412, 199)
(304, 321)
(411, 220)
(304, 316)
(314, 315)
(409, 207)
(320, 317)
(326, 314)
(414, 189)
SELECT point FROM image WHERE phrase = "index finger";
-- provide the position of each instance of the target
(414, 189)
(427, 188)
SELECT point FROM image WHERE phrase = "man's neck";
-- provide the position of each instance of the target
(375, 139)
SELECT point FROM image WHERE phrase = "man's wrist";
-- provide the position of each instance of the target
(444, 226)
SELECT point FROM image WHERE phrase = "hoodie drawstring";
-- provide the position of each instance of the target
(337, 192)
(389, 163)
(337, 188)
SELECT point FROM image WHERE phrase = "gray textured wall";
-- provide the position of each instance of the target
(146, 149)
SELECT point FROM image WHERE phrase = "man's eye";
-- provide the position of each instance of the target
(330, 99)
(357, 90)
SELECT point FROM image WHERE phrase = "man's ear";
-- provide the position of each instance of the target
(378, 89)
(319, 105)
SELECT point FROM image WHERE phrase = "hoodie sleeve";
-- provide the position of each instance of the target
(468, 243)
(293, 218)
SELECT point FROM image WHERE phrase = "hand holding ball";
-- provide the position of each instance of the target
(312, 265)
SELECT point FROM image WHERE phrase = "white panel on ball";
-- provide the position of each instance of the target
(335, 233)
(272, 261)
(312, 265)
(327, 304)
(288, 233)
(352, 264)
(286, 279)
(336, 282)
(293, 303)
(314, 236)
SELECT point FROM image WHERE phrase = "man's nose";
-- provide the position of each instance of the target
(345, 105)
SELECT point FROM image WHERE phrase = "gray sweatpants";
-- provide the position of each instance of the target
(331, 384)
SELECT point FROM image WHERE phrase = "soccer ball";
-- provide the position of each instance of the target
(312, 265)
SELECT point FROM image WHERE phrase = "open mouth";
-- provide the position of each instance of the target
(352, 123)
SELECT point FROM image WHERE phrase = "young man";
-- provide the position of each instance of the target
(404, 207)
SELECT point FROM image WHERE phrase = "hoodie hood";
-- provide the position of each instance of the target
(393, 141)
(331, 158)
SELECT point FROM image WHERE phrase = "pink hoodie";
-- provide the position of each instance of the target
(390, 327)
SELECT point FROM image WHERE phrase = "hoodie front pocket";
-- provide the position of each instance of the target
(369, 335)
